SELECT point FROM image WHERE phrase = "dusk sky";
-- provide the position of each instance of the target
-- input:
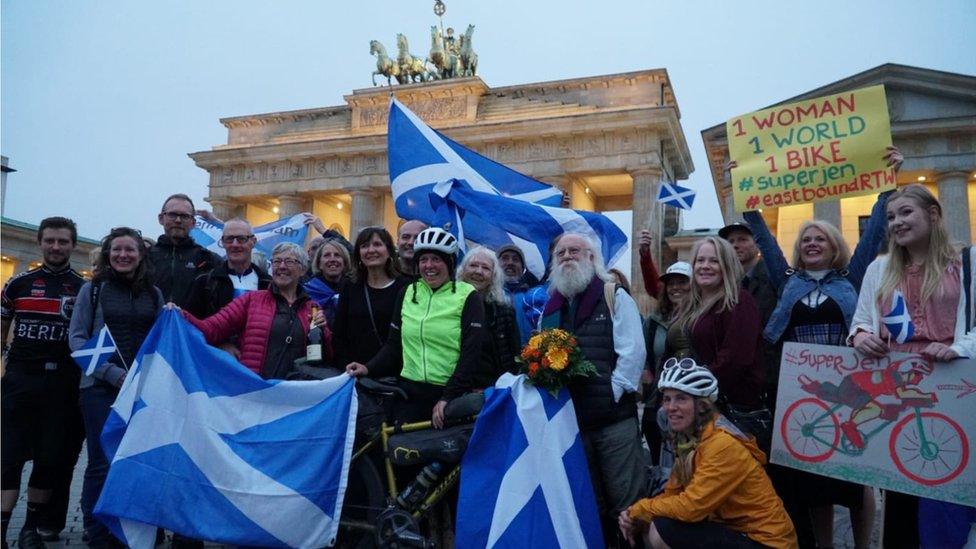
(102, 101)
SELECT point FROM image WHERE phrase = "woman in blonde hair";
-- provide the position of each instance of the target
(817, 301)
(722, 325)
(924, 269)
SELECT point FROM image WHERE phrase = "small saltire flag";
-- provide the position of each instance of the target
(96, 351)
(899, 321)
(292, 229)
(202, 446)
(524, 477)
(676, 195)
(438, 181)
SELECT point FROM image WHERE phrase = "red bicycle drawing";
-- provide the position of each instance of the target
(927, 447)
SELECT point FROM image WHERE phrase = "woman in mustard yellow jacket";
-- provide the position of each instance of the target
(718, 494)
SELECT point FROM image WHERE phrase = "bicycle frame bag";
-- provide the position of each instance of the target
(421, 447)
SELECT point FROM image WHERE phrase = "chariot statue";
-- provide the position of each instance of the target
(449, 57)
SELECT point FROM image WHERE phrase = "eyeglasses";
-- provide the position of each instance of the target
(239, 238)
(683, 364)
(572, 252)
(287, 262)
(177, 216)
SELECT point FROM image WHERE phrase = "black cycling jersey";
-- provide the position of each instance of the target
(40, 300)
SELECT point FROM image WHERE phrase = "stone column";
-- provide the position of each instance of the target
(366, 210)
(222, 208)
(646, 215)
(290, 204)
(828, 211)
(954, 197)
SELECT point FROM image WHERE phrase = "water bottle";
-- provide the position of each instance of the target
(414, 494)
(313, 351)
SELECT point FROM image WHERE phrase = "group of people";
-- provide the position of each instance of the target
(732, 309)
(704, 362)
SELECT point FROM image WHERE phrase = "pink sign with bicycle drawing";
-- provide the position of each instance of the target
(901, 422)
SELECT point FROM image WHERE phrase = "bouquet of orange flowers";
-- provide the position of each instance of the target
(551, 358)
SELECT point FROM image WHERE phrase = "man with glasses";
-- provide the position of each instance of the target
(607, 326)
(233, 277)
(176, 259)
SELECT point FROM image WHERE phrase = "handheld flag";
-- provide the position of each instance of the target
(899, 321)
(292, 229)
(524, 476)
(441, 182)
(96, 351)
(321, 293)
(202, 446)
(676, 195)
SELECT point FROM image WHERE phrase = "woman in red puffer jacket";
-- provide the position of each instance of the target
(272, 324)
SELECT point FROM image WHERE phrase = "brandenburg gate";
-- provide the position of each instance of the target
(606, 141)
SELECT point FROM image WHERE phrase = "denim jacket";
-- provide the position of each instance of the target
(840, 285)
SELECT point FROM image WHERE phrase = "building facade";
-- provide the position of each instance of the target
(606, 141)
(933, 122)
(20, 249)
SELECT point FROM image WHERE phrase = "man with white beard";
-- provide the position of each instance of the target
(609, 335)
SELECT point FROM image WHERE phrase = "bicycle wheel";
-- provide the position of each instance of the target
(806, 434)
(365, 499)
(929, 448)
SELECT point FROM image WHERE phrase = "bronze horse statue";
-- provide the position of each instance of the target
(469, 59)
(384, 65)
(412, 69)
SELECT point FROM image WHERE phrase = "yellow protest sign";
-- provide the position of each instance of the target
(813, 150)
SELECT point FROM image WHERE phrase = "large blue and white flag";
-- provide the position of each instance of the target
(439, 181)
(524, 477)
(207, 233)
(201, 446)
(899, 321)
(96, 351)
(672, 194)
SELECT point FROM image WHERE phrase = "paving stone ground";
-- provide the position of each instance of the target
(71, 536)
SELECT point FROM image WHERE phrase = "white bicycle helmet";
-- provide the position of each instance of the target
(688, 377)
(435, 239)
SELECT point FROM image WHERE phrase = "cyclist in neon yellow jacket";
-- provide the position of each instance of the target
(435, 333)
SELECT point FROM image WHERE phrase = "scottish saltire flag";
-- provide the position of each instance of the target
(438, 182)
(201, 446)
(524, 478)
(292, 229)
(96, 351)
(676, 195)
(899, 321)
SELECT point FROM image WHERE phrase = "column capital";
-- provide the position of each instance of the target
(363, 191)
(645, 171)
(954, 174)
(222, 208)
(557, 180)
